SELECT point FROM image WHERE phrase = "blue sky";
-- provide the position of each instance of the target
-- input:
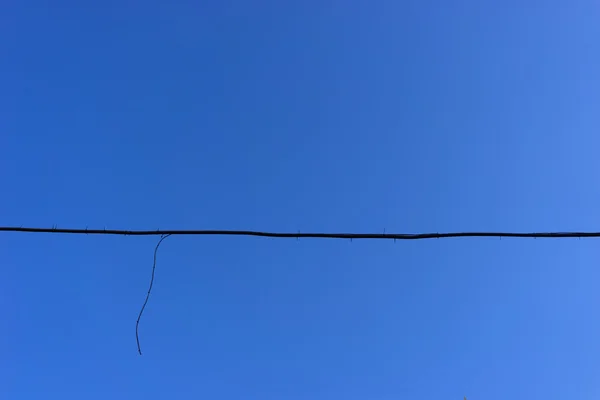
(300, 116)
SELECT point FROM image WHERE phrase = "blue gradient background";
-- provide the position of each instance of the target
(311, 116)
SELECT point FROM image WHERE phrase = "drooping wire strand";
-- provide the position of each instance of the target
(137, 323)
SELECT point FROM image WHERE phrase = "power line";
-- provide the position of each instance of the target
(164, 233)
(394, 236)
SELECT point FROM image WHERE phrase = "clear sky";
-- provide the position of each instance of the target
(300, 116)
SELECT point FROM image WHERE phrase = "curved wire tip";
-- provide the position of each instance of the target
(137, 323)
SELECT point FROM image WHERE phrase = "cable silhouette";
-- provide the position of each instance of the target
(394, 236)
(351, 236)
(137, 323)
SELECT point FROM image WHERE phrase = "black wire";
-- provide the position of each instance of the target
(394, 236)
(398, 236)
(137, 324)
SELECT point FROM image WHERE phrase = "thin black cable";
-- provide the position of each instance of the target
(137, 324)
(395, 236)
